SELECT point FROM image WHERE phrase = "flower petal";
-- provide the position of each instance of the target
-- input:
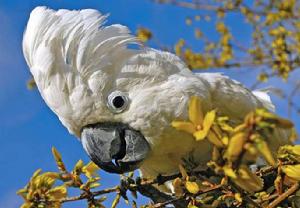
(292, 171)
(192, 187)
(248, 180)
(90, 169)
(213, 138)
(238, 197)
(207, 123)
(195, 111)
(235, 146)
(184, 126)
(264, 149)
(209, 119)
(200, 135)
(228, 171)
(294, 149)
(57, 193)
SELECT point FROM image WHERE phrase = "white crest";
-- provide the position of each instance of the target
(70, 53)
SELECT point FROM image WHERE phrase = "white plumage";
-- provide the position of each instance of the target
(76, 62)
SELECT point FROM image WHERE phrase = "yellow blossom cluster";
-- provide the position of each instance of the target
(280, 51)
(291, 155)
(41, 192)
(192, 59)
(236, 146)
(274, 40)
(226, 48)
(44, 191)
(208, 59)
(228, 179)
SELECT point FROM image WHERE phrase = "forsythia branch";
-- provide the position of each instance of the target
(228, 181)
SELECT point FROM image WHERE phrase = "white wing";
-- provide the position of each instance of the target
(264, 99)
(231, 98)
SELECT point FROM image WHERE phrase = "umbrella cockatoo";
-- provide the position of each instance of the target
(120, 100)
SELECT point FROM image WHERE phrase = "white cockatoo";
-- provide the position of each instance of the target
(120, 98)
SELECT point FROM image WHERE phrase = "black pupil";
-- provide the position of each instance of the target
(118, 101)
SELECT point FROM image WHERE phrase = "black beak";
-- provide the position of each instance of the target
(114, 147)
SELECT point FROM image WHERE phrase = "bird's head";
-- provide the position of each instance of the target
(115, 99)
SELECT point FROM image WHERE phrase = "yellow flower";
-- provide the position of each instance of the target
(244, 178)
(247, 180)
(78, 167)
(290, 152)
(263, 147)
(238, 197)
(292, 149)
(90, 169)
(143, 34)
(58, 159)
(235, 146)
(198, 125)
(41, 187)
(192, 187)
(272, 118)
(57, 193)
(229, 172)
(292, 171)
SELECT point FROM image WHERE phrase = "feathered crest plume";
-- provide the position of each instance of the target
(70, 53)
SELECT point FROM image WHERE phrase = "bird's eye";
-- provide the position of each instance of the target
(117, 101)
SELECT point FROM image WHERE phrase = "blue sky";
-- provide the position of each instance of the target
(28, 129)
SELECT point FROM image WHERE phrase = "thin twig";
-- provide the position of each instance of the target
(283, 196)
(269, 169)
(215, 8)
(86, 196)
(159, 205)
(260, 201)
(245, 196)
(188, 5)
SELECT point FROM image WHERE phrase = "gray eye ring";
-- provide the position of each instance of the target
(117, 101)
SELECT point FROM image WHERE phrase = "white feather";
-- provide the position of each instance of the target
(70, 55)
(265, 99)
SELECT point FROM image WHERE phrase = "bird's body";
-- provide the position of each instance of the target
(78, 63)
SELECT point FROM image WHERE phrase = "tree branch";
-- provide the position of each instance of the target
(283, 196)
